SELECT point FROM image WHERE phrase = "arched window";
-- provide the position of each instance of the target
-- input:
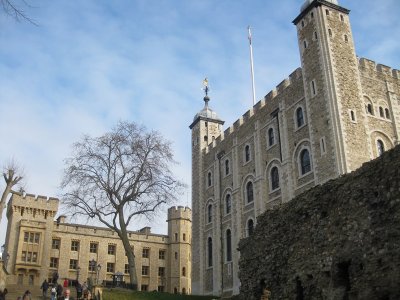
(209, 252)
(228, 204)
(184, 291)
(387, 114)
(227, 167)
(271, 137)
(305, 163)
(299, 117)
(380, 146)
(209, 213)
(249, 192)
(228, 245)
(370, 109)
(250, 227)
(274, 178)
(209, 179)
(381, 114)
(247, 153)
(184, 272)
(175, 290)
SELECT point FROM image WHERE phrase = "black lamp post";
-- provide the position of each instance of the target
(92, 270)
(78, 270)
(98, 273)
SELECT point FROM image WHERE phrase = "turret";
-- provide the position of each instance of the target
(180, 236)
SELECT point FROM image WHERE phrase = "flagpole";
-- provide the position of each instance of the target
(252, 66)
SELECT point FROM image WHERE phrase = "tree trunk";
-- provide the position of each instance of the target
(6, 191)
(129, 251)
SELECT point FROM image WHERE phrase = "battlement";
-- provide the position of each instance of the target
(371, 65)
(279, 89)
(34, 201)
(179, 212)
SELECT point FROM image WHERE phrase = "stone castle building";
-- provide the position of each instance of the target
(39, 246)
(326, 119)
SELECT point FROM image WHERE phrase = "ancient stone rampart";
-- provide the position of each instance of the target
(340, 240)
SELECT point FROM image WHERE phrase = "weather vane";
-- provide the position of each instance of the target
(205, 84)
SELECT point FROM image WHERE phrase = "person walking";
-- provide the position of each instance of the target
(44, 287)
(53, 293)
(78, 287)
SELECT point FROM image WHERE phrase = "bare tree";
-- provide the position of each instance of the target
(118, 177)
(13, 175)
(15, 11)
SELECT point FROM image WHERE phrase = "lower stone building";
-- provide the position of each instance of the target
(40, 246)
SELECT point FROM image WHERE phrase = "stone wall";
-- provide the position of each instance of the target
(340, 240)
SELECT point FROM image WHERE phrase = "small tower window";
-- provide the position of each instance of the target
(247, 153)
(387, 114)
(302, 23)
(249, 192)
(209, 179)
(184, 237)
(315, 35)
(322, 146)
(299, 117)
(274, 178)
(381, 114)
(380, 146)
(341, 18)
(228, 204)
(209, 213)
(271, 137)
(205, 138)
(327, 12)
(313, 88)
(305, 44)
(183, 272)
(305, 162)
(330, 32)
(209, 252)
(312, 15)
(352, 116)
(346, 38)
(370, 109)
(228, 245)
(250, 227)
(227, 171)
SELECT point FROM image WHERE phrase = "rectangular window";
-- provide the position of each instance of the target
(176, 255)
(23, 256)
(184, 237)
(111, 249)
(26, 237)
(31, 237)
(53, 262)
(176, 237)
(145, 270)
(93, 247)
(110, 267)
(29, 257)
(73, 264)
(146, 253)
(144, 287)
(161, 271)
(74, 245)
(126, 269)
(55, 244)
(34, 257)
(161, 254)
(37, 238)
(322, 146)
(92, 266)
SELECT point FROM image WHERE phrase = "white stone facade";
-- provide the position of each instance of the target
(326, 119)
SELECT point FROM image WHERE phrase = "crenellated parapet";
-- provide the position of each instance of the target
(179, 212)
(296, 75)
(37, 206)
(379, 69)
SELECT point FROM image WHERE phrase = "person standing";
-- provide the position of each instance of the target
(67, 295)
(44, 287)
(65, 283)
(78, 287)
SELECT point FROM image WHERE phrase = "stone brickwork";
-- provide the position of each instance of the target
(341, 110)
(335, 241)
(39, 246)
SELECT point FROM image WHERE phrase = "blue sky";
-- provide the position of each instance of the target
(89, 64)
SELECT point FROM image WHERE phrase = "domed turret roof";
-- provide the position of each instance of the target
(207, 112)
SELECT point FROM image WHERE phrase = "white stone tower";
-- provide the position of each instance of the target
(333, 90)
(206, 127)
(180, 236)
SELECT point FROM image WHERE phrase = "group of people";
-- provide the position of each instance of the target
(59, 292)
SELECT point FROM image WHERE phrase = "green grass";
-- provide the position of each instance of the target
(119, 294)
